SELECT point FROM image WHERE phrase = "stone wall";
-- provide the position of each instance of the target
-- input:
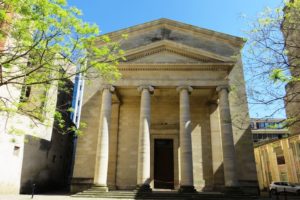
(85, 155)
(128, 145)
(241, 127)
(122, 172)
(47, 164)
(11, 156)
(267, 158)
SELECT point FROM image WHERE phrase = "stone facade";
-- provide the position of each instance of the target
(278, 160)
(179, 83)
(39, 154)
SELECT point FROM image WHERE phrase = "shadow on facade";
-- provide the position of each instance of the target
(47, 164)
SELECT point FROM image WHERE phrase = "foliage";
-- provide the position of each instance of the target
(43, 44)
(274, 59)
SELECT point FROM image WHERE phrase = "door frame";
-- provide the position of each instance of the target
(175, 139)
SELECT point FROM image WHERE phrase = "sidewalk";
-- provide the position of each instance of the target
(43, 197)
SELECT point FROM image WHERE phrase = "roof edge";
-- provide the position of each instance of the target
(235, 40)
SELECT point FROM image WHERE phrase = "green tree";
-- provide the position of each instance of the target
(274, 60)
(43, 44)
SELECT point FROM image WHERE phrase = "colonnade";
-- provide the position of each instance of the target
(186, 159)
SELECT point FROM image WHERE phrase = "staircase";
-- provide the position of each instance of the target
(163, 195)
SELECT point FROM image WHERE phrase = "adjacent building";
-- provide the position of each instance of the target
(278, 160)
(268, 129)
(177, 119)
(33, 152)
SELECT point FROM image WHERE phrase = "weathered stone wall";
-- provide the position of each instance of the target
(241, 127)
(87, 144)
(47, 164)
(128, 144)
(201, 143)
(11, 156)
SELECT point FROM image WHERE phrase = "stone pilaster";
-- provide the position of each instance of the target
(229, 160)
(186, 157)
(101, 167)
(216, 143)
(143, 169)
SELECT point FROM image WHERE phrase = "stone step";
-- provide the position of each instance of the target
(93, 193)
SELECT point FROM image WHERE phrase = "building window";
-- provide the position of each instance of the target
(25, 93)
(280, 160)
(16, 151)
(260, 125)
(279, 155)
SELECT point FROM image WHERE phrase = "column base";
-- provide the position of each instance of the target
(187, 189)
(231, 190)
(143, 188)
(100, 188)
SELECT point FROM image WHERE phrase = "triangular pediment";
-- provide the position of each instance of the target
(163, 56)
(161, 30)
(171, 52)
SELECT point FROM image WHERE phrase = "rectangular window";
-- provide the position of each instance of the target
(260, 125)
(280, 160)
(16, 151)
(279, 155)
(25, 93)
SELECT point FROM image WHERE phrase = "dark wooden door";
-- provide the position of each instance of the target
(163, 164)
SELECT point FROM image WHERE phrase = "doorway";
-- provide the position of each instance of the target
(163, 164)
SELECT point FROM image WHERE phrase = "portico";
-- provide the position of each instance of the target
(167, 123)
(184, 137)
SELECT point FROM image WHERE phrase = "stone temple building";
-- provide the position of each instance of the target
(177, 119)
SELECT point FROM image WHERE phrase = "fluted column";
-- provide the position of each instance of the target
(143, 169)
(229, 160)
(100, 178)
(186, 157)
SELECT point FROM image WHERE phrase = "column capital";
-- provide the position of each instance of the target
(147, 87)
(111, 88)
(223, 87)
(184, 87)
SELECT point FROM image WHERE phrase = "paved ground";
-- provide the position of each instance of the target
(67, 197)
(42, 197)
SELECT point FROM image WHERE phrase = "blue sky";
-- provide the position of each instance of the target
(228, 16)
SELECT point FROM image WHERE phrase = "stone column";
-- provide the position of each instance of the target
(143, 168)
(101, 168)
(229, 161)
(186, 157)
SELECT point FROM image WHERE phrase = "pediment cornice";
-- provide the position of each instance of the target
(175, 25)
(176, 67)
(176, 48)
